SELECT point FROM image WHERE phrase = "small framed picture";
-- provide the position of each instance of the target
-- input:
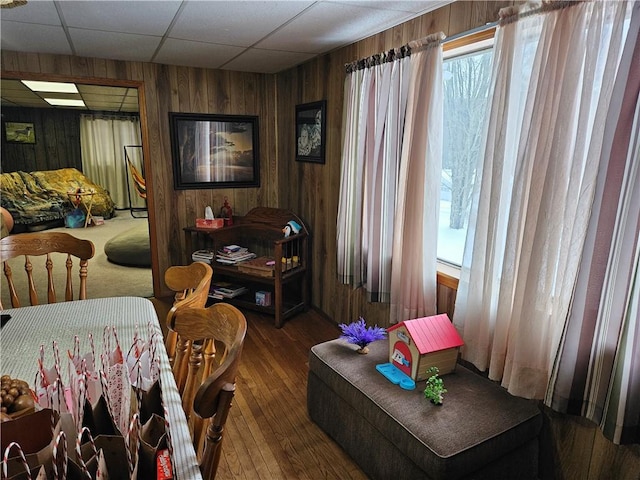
(310, 132)
(17, 132)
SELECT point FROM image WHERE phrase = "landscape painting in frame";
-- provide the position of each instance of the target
(214, 151)
(19, 132)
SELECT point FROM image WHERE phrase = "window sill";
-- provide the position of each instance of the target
(448, 275)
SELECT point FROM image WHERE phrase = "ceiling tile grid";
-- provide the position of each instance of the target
(204, 33)
(248, 36)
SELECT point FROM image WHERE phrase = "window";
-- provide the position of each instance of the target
(466, 76)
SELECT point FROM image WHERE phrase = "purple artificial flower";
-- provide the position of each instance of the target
(359, 334)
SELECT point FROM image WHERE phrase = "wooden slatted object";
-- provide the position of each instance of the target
(191, 286)
(214, 337)
(44, 244)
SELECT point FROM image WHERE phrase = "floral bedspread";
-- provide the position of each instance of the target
(39, 197)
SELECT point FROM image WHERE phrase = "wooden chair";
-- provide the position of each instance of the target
(44, 244)
(191, 284)
(214, 338)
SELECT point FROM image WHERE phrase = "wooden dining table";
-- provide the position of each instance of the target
(30, 327)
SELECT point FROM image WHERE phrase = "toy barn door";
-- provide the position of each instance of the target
(401, 358)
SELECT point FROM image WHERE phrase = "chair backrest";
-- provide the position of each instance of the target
(191, 284)
(44, 244)
(211, 379)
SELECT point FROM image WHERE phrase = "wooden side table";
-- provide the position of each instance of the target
(85, 199)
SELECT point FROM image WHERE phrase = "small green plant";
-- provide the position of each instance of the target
(435, 386)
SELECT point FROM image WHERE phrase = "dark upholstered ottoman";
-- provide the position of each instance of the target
(481, 431)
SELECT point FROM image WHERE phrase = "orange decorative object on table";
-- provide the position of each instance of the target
(226, 212)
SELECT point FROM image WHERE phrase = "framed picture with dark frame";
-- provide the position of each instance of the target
(214, 151)
(310, 132)
(19, 132)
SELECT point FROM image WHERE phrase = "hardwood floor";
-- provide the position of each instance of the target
(269, 434)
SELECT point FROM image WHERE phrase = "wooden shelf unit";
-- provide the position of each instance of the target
(261, 232)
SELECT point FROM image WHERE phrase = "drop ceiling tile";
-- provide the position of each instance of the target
(100, 90)
(141, 17)
(266, 61)
(65, 96)
(331, 25)
(34, 103)
(102, 98)
(413, 7)
(105, 106)
(12, 85)
(116, 46)
(29, 37)
(195, 54)
(238, 23)
(43, 12)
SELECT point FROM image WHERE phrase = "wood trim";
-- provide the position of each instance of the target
(447, 279)
(469, 39)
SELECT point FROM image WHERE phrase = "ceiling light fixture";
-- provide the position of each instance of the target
(56, 87)
(12, 3)
(64, 102)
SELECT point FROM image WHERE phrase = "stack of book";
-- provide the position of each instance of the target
(233, 254)
(202, 256)
(222, 290)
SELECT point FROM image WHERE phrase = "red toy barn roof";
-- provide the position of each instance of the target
(431, 333)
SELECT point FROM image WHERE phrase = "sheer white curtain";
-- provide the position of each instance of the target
(385, 179)
(413, 281)
(102, 141)
(531, 211)
(597, 370)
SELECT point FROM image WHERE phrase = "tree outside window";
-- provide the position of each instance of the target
(466, 86)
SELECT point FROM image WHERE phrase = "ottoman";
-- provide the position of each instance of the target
(480, 432)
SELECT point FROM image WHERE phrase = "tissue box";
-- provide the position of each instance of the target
(263, 298)
(209, 223)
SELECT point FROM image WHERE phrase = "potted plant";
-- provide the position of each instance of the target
(435, 386)
(359, 334)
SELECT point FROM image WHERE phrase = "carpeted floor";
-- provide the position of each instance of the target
(104, 279)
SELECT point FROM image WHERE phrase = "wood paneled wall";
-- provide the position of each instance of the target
(57, 140)
(310, 189)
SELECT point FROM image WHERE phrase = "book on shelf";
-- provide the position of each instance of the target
(232, 254)
(222, 290)
(203, 256)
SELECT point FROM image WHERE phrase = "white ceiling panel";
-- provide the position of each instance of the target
(43, 12)
(139, 17)
(233, 23)
(331, 25)
(117, 46)
(412, 7)
(196, 54)
(30, 37)
(267, 61)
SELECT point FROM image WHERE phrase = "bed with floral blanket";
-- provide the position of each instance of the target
(40, 199)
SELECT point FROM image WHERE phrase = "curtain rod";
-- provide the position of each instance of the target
(405, 50)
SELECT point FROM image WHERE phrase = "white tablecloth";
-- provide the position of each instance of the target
(30, 327)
